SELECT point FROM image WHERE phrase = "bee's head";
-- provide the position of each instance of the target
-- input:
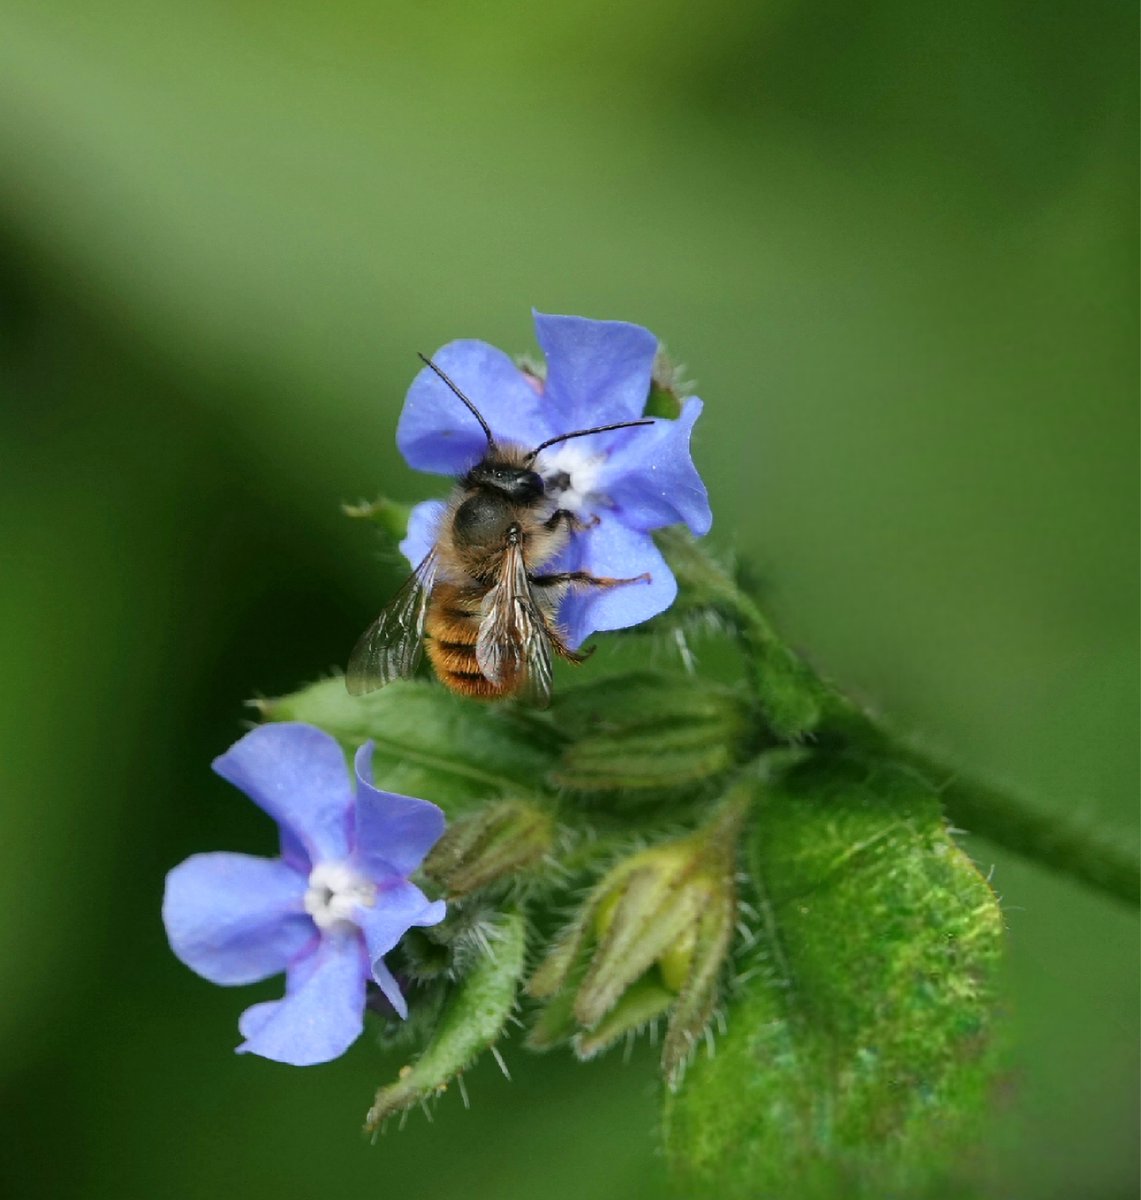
(516, 483)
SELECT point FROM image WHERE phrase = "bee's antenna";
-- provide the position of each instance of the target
(474, 411)
(563, 437)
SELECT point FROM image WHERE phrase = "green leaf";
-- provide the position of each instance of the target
(857, 1054)
(472, 1021)
(429, 742)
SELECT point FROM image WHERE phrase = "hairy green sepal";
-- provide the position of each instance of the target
(650, 941)
(472, 1020)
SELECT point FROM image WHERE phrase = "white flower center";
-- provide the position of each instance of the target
(334, 892)
(571, 473)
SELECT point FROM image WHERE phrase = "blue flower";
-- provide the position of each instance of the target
(326, 912)
(632, 480)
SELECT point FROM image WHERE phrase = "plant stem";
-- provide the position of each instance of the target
(1086, 854)
(803, 709)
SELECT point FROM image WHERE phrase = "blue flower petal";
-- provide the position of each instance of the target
(437, 433)
(322, 1013)
(235, 918)
(423, 529)
(298, 775)
(293, 851)
(598, 372)
(399, 906)
(393, 832)
(612, 549)
(386, 981)
(651, 478)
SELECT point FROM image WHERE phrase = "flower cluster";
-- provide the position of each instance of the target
(339, 898)
(622, 484)
(325, 912)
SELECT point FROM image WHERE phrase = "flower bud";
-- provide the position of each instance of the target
(668, 387)
(651, 938)
(647, 732)
(488, 845)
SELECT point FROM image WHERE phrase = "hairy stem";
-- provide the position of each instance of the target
(802, 708)
(1086, 854)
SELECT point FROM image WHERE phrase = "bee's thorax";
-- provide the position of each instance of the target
(483, 519)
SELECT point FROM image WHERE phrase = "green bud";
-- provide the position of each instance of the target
(644, 762)
(641, 1004)
(642, 699)
(642, 918)
(668, 388)
(649, 731)
(651, 938)
(555, 1023)
(491, 844)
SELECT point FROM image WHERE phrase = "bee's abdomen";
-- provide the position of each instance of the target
(452, 627)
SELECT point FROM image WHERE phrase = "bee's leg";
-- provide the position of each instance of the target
(559, 646)
(584, 579)
(572, 521)
(569, 579)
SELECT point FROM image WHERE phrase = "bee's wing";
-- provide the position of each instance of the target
(513, 648)
(390, 648)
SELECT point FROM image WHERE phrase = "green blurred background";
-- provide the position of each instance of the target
(895, 243)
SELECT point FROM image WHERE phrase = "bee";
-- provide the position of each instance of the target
(480, 602)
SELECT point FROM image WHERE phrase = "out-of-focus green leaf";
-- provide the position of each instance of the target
(389, 516)
(856, 1055)
(472, 1021)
